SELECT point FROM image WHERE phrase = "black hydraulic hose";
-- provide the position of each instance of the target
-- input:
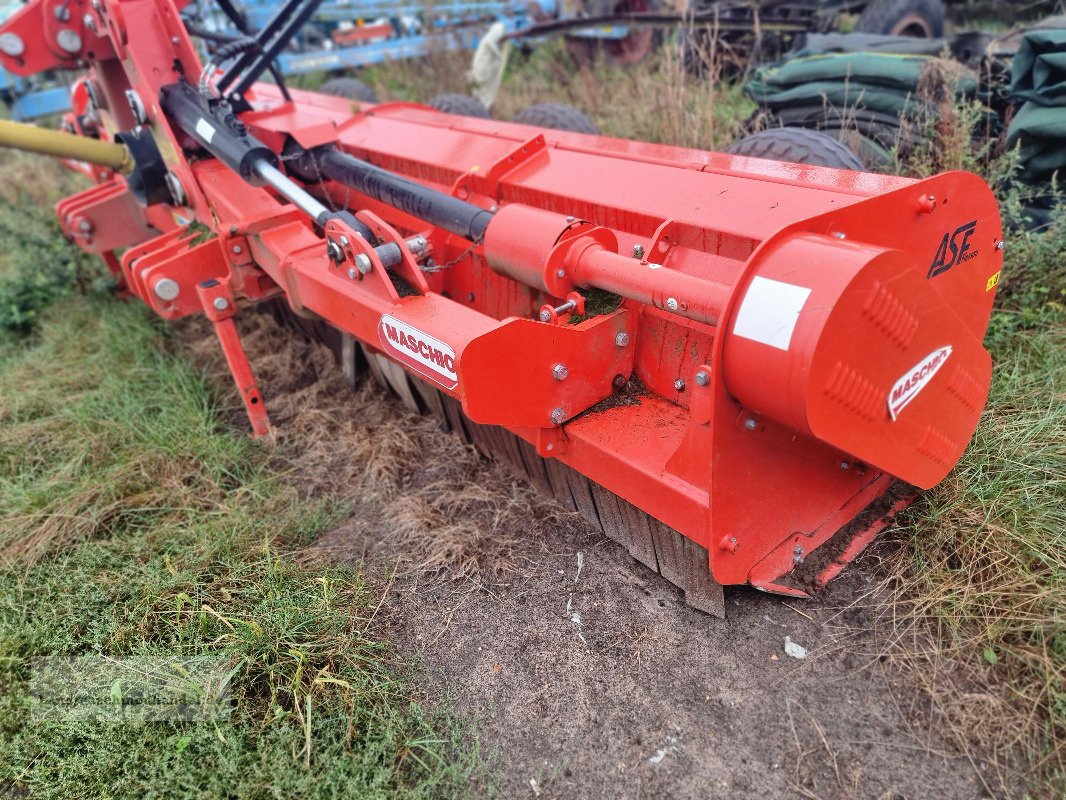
(240, 22)
(439, 209)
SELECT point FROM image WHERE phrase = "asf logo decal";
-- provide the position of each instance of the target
(954, 249)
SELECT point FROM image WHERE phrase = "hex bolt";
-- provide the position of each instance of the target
(621, 339)
(558, 415)
(62, 13)
(174, 40)
(166, 289)
(333, 250)
(679, 384)
(619, 382)
(140, 115)
(236, 249)
(570, 219)
(84, 225)
(559, 372)
(89, 21)
(751, 424)
(703, 377)
(545, 316)
(839, 235)
(177, 191)
(845, 466)
(220, 303)
(344, 241)
(671, 303)
(561, 273)
(797, 554)
(999, 245)
(362, 263)
(352, 273)
(638, 251)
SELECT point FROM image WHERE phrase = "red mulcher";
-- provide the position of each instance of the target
(734, 366)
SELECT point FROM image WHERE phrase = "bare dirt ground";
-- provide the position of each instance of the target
(585, 673)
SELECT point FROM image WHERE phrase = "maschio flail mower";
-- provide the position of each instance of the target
(738, 368)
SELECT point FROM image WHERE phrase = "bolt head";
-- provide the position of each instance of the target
(166, 289)
(333, 250)
(839, 235)
(671, 303)
(220, 303)
(751, 424)
(844, 466)
(621, 339)
(558, 416)
(84, 225)
(638, 251)
(999, 245)
(560, 372)
(236, 249)
(362, 263)
(703, 378)
(352, 273)
(679, 384)
(545, 316)
(570, 219)
(561, 273)
(89, 21)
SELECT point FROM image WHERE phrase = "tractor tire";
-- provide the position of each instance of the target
(350, 89)
(923, 19)
(798, 146)
(462, 105)
(558, 116)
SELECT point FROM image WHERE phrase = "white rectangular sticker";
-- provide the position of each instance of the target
(205, 129)
(770, 311)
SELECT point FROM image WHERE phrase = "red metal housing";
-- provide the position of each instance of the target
(799, 339)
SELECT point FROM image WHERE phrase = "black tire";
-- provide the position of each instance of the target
(923, 19)
(462, 105)
(798, 146)
(350, 89)
(559, 116)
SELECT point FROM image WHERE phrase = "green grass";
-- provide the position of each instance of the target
(135, 523)
(981, 579)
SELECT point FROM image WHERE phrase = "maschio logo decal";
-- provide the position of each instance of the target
(424, 353)
(954, 249)
(915, 379)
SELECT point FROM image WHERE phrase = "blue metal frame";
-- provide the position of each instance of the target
(454, 25)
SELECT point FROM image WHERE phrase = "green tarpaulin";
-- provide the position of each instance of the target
(1038, 80)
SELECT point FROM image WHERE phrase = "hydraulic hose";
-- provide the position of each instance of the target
(20, 136)
(439, 209)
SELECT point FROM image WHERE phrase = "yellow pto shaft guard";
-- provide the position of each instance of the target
(21, 136)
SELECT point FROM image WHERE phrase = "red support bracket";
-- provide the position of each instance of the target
(220, 306)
